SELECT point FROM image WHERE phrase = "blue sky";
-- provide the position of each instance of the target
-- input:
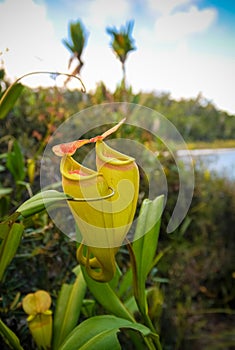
(184, 47)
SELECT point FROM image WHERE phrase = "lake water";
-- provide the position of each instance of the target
(221, 161)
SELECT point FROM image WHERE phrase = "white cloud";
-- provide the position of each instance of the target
(30, 38)
(100, 13)
(167, 6)
(163, 60)
(185, 74)
(179, 25)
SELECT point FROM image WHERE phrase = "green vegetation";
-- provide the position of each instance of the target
(213, 144)
(190, 286)
(76, 44)
(122, 43)
(169, 291)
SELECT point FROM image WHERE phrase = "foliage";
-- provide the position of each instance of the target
(76, 44)
(196, 119)
(187, 287)
(70, 301)
(122, 43)
(199, 267)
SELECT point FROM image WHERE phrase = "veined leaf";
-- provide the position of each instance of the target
(100, 333)
(9, 98)
(145, 245)
(15, 162)
(68, 308)
(8, 247)
(10, 337)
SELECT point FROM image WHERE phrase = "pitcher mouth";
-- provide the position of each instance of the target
(110, 156)
(72, 170)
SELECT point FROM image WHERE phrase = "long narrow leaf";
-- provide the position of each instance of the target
(106, 296)
(100, 333)
(9, 98)
(10, 337)
(15, 162)
(4, 230)
(68, 308)
(145, 245)
(9, 244)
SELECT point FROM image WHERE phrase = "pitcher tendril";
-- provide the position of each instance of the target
(107, 210)
(53, 76)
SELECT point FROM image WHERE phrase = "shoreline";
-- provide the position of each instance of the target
(204, 151)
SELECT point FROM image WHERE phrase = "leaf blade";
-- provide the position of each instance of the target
(145, 245)
(38, 202)
(10, 337)
(99, 332)
(106, 296)
(13, 233)
(9, 98)
(68, 308)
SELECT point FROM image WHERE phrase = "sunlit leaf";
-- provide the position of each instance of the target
(99, 333)
(38, 202)
(15, 162)
(106, 296)
(8, 246)
(68, 307)
(9, 98)
(145, 245)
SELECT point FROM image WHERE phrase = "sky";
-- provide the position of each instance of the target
(183, 47)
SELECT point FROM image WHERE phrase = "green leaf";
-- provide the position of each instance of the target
(10, 337)
(15, 162)
(68, 307)
(116, 278)
(9, 98)
(38, 202)
(88, 307)
(8, 247)
(131, 304)
(106, 296)
(145, 245)
(5, 191)
(125, 285)
(68, 45)
(78, 36)
(100, 333)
